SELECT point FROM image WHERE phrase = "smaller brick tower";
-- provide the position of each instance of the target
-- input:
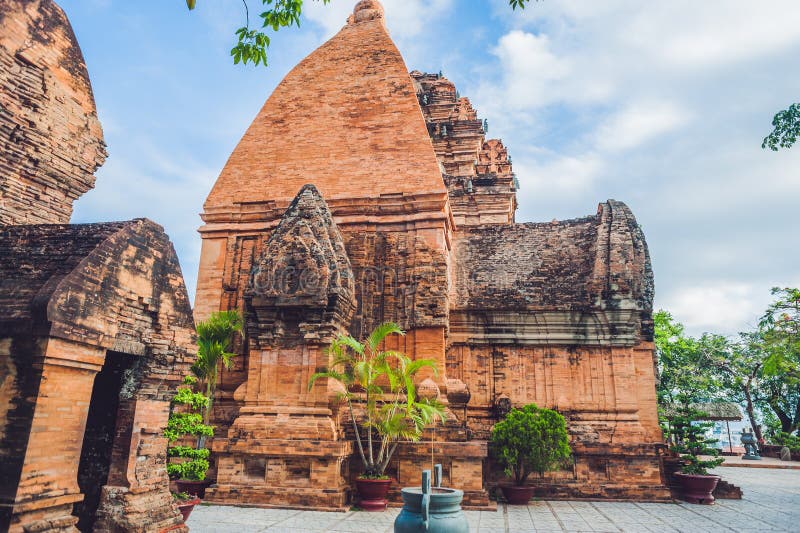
(284, 448)
(96, 329)
(477, 171)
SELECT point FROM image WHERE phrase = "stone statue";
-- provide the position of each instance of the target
(750, 445)
(786, 454)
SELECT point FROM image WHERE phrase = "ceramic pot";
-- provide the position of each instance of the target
(372, 493)
(517, 495)
(186, 507)
(193, 488)
(440, 512)
(697, 489)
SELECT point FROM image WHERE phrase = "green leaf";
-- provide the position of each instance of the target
(380, 333)
(786, 130)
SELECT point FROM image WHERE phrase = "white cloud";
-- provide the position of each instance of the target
(639, 123)
(530, 70)
(725, 308)
(557, 175)
(713, 34)
(679, 33)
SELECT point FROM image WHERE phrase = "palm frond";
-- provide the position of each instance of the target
(417, 365)
(349, 342)
(381, 332)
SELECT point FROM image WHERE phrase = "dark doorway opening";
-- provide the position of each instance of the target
(98, 440)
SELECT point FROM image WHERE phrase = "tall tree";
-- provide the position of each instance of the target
(780, 327)
(682, 361)
(739, 366)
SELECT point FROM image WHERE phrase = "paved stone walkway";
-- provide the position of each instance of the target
(771, 503)
(765, 462)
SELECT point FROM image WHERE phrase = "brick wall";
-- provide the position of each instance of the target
(52, 140)
(122, 292)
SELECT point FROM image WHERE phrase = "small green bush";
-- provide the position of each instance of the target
(787, 439)
(691, 441)
(183, 424)
(194, 470)
(188, 452)
(530, 440)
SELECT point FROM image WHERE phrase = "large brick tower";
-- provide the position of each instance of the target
(362, 194)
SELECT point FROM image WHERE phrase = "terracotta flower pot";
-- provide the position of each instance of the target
(517, 495)
(186, 507)
(697, 489)
(193, 488)
(372, 493)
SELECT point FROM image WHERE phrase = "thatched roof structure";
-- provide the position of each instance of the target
(713, 410)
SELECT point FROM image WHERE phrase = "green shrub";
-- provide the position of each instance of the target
(195, 400)
(188, 452)
(691, 442)
(194, 470)
(787, 439)
(183, 424)
(530, 440)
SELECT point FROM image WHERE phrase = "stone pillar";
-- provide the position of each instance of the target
(48, 484)
(136, 496)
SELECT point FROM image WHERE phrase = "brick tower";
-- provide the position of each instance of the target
(348, 121)
(362, 194)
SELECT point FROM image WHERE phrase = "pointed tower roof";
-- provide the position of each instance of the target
(345, 119)
(305, 258)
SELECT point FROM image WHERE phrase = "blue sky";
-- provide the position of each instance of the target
(660, 105)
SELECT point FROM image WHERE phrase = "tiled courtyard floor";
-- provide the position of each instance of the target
(771, 503)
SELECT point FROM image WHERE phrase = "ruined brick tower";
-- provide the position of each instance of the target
(362, 194)
(95, 325)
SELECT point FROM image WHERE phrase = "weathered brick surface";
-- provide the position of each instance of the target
(352, 124)
(399, 278)
(52, 141)
(597, 262)
(477, 172)
(75, 294)
(558, 313)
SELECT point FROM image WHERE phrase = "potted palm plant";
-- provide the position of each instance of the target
(214, 339)
(378, 388)
(529, 440)
(698, 455)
